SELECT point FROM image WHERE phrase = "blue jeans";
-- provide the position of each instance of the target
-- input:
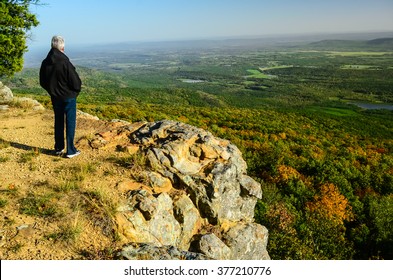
(65, 110)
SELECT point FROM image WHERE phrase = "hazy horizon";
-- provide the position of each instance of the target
(103, 22)
(272, 38)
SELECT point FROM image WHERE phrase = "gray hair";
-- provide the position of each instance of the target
(58, 43)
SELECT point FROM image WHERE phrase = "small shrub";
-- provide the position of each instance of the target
(67, 233)
(29, 156)
(101, 198)
(81, 171)
(136, 164)
(67, 186)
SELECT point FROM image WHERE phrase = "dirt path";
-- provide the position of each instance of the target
(52, 207)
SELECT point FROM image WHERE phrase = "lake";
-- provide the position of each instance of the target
(374, 106)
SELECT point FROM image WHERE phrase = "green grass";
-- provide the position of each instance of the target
(39, 205)
(256, 74)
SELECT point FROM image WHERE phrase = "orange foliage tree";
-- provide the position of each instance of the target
(331, 204)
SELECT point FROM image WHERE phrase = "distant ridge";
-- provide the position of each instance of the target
(379, 44)
(381, 41)
(335, 43)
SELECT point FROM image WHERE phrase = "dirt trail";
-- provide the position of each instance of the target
(52, 207)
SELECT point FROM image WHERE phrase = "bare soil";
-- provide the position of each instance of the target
(51, 207)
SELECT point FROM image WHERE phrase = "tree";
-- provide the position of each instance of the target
(331, 204)
(15, 22)
(325, 224)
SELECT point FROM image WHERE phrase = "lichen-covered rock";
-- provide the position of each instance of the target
(212, 170)
(247, 241)
(196, 194)
(163, 226)
(158, 183)
(150, 219)
(144, 251)
(189, 218)
(145, 203)
(211, 246)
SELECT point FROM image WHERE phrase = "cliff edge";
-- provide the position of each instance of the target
(160, 190)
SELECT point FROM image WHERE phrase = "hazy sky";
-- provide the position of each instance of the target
(99, 21)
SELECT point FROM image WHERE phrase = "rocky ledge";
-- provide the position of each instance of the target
(196, 200)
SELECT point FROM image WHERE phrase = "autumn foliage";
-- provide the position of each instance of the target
(331, 204)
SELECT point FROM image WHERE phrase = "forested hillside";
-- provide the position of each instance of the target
(325, 164)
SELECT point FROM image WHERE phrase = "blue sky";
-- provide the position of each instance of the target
(103, 21)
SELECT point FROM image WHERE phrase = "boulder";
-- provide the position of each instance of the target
(6, 95)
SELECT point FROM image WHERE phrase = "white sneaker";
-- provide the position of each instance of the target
(74, 155)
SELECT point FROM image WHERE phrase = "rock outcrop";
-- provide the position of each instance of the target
(195, 196)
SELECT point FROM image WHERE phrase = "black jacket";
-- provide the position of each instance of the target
(59, 77)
